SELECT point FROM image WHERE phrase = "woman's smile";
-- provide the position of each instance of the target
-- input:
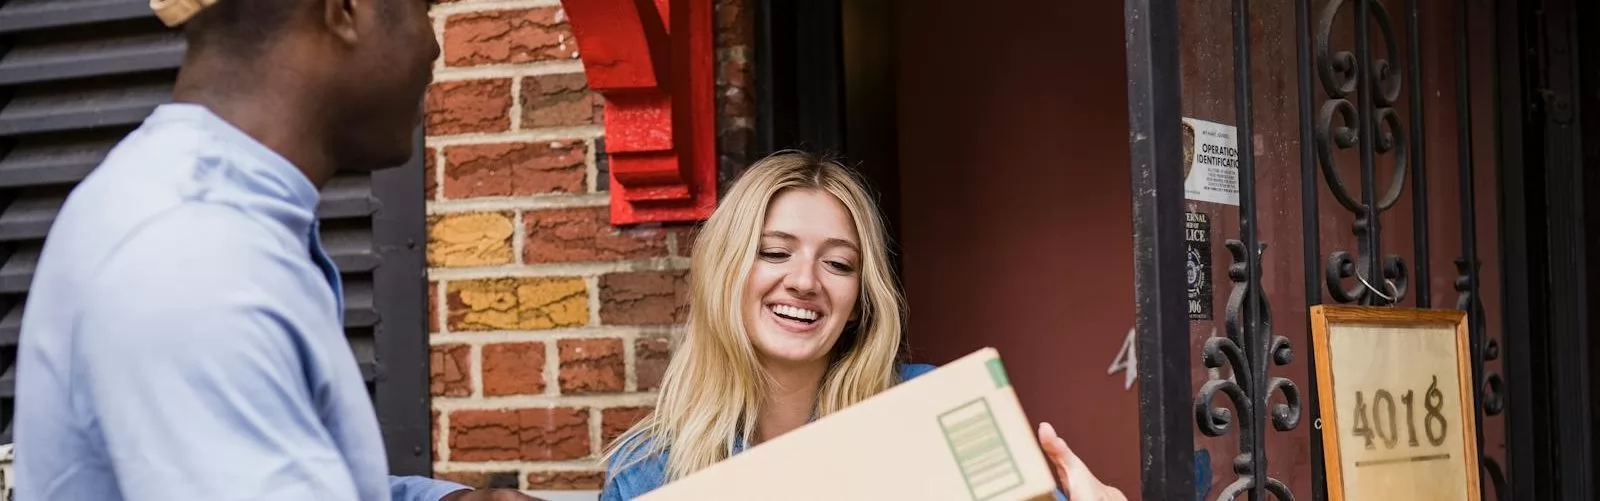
(794, 318)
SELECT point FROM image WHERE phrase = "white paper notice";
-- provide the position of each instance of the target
(1210, 162)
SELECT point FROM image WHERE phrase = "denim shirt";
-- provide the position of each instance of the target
(649, 473)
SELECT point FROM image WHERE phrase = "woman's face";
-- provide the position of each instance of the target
(806, 279)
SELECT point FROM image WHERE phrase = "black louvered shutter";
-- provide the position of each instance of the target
(75, 77)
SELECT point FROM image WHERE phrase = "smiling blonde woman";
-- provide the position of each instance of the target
(794, 314)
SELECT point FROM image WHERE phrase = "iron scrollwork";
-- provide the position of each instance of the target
(1249, 347)
(1488, 385)
(1249, 387)
(1491, 396)
(1339, 128)
(1340, 74)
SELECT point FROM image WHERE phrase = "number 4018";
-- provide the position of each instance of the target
(1383, 406)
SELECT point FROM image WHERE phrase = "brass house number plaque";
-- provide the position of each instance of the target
(1397, 414)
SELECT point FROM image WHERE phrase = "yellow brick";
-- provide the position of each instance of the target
(518, 304)
(481, 239)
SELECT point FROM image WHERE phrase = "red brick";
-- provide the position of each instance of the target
(450, 370)
(430, 178)
(734, 21)
(433, 307)
(650, 357)
(591, 365)
(513, 369)
(464, 106)
(515, 169)
(686, 236)
(434, 423)
(507, 36)
(732, 76)
(644, 298)
(473, 479)
(734, 73)
(735, 101)
(565, 480)
(522, 434)
(616, 421)
(560, 100)
(586, 234)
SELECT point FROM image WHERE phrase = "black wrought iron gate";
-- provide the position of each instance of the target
(1387, 117)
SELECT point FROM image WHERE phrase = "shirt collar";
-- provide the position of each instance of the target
(268, 174)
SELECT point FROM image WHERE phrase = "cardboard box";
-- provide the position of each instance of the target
(957, 433)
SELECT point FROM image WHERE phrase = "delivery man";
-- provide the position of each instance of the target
(183, 339)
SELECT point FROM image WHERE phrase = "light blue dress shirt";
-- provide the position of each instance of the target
(633, 475)
(183, 336)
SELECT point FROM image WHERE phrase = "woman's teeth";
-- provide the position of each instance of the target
(795, 313)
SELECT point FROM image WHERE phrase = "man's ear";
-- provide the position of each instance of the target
(340, 17)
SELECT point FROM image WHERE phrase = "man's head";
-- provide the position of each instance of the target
(354, 70)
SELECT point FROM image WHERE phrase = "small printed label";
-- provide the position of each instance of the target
(1210, 162)
(1197, 243)
(997, 371)
(980, 450)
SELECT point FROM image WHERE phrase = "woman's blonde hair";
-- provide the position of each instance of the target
(714, 384)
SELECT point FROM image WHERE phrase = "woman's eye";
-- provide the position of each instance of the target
(841, 266)
(774, 255)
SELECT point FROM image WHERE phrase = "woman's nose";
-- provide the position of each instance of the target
(801, 280)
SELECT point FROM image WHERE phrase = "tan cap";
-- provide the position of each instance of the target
(176, 12)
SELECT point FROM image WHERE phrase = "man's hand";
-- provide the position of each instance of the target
(489, 495)
(1077, 482)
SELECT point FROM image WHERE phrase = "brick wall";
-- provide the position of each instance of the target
(549, 326)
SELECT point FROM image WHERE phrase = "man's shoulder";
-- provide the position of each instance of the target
(149, 168)
(202, 239)
(186, 277)
(148, 237)
(204, 226)
(146, 196)
(195, 258)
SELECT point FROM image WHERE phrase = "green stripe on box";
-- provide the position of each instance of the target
(980, 451)
(997, 370)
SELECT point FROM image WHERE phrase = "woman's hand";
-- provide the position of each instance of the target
(1077, 482)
